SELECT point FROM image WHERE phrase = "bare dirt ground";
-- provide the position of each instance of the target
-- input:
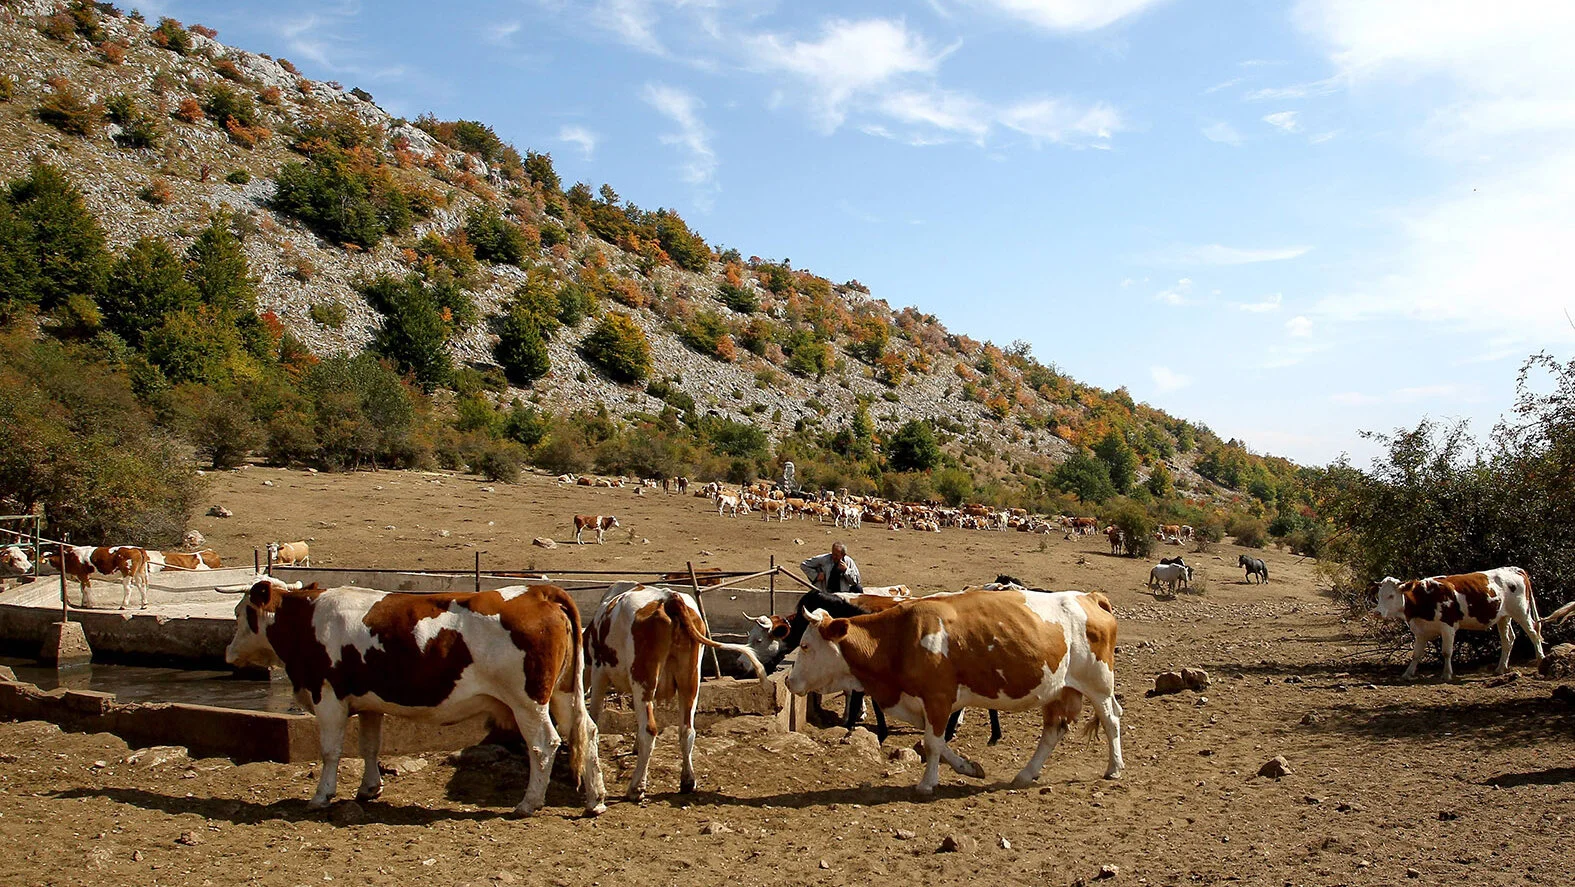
(1390, 782)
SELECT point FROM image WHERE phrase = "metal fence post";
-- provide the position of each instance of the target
(64, 608)
(478, 572)
(771, 587)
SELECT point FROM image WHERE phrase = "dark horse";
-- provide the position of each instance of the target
(1254, 567)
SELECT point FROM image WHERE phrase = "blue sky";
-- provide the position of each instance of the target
(1290, 221)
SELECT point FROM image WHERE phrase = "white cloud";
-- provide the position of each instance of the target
(1052, 120)
(1223, 84)
(500, 33)
(1167, 379)
(1069, 15)
(1326, 86)
(1222, 132)
(1218, 254)
(579, 135)
(699, 167)
(1178, 294)
(1268, 303)
(1283, 120)
(949, 111)
(851, 58)
(631, 21)
(1299, 327)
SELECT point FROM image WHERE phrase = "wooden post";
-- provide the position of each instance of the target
(256, 562)
(64, 608)
(771, 587)
(716, 666)
(270, 561)
(478, 571)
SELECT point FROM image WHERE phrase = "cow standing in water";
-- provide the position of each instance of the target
(1003, 649)
(513, 654)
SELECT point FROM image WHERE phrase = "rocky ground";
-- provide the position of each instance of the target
(1385, 781)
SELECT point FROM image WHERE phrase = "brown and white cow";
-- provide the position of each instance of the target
(15, 559)
(1002, 649)
(1439, 606)
(513, 654)
(1084, 526)
(645, 641)
(80, 562)
(184, 561)
(289, 554)
(601, 523)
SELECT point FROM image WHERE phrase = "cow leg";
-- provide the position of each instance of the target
(688, 699)
(1533, 632)
(1506, 642)
(995, 726)
(1055, 721)
(332, 715)
(1108, 711)
(936, 713)
(1418, 650)
(645, 731)
(371, 742)
(599, 682)
(541, 743)
(854, 716)
(952, 724)
(1447, 640)
(881, 730)
(125, 592)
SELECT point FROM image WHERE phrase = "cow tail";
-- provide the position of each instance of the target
(581, 736)
(696, 629)
(1531, 599)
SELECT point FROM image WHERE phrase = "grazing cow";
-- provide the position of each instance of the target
(601, 523)
(1441, 605)
(1084, 526)
(645, 641)
(1171, 532)
(183, 561)
(14, 557)
(769, 507)
(683, 485)
(289, 554)
(513, 654)
(1006, 649)
(1118, 540)
(1171, 574)
(728, 503)
(1254, 567)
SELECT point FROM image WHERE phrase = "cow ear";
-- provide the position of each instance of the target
(835, 631)
(779, 628)
(261, 594)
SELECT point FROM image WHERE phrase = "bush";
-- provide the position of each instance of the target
(954, 485)
(619, 349)
(172, 36)
(219, 425)
(343, 202)
(1084, 476)
(138, 128)
(494, 238)
(414, 334)
(147, 283)
(522, 347)
(189, 110)
(51, 246)
(1248, 531)
(1137, 526)
(574, 304)
(238, 177)
(364, 415)
(703, 331)
(329, 314)
(739, 298)
(193, 345)
(499, 461)
(913, 448)
(1119, 459)
(68, 111)
(525, 425)
(157, 191)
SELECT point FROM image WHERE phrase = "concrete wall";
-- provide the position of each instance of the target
(192, 642)
(245, 736)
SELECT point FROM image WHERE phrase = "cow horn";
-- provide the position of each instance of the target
(234, 589)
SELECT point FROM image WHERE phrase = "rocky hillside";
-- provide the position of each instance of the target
(160, 124)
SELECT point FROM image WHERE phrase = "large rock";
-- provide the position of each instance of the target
(1275, 767)
(1196, 679)
(543, 542)
(1559, 662)
(193, 539)
(1167, 682)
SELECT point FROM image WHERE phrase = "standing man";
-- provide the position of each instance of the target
(834, 572)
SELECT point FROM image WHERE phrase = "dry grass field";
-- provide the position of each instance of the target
(1389, 782)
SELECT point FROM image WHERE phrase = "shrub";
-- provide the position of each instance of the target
(193, 345)
(739, 298)
(219, 425)
(172, 36)
(574, 304)
(703, 331)
(1084, 476)
(51, 246)
(189, 110)
(1248, 531)
(68, 111)
(157, 191)
(112, 53)
(238, 177)
(1119, 459)
(270, 95)
(522, 346)
(364, 415)
(494, 238)
(216, 266)
(138, 129)
(552, 234)
(913, 448)
(414, 334)
(146, 283)
(499, 461)
(228, 70)
(342, 202)
(619, 349)
(7, 87)
(525, 425)
(329, 314)
(1137, 526)
(226, 103)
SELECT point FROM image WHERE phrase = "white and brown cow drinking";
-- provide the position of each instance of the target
(513, 654)
(1439, 606)
(645, 641)
(1001, 649)
(601, 523)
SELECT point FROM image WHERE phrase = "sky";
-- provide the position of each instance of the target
(1290, 221)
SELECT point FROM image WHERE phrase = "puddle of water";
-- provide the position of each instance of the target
(138, 683)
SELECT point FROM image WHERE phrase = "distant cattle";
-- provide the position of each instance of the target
(645, 641)
(1008, 649)
(514, 654)
(289, 554)
(601, 523)
(1084, 526)
(1439, 606)
(1254, 567)
(184, 561)
(1118, 540)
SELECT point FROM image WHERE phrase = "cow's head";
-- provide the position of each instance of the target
(610, 521)
(1389, 598)
(14, 557)
(250, 647)
(820, 666)
(767, 635)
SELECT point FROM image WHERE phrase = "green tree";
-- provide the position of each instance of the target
(62, 241)
(522, 346)
(218, 424)
(954, 484)
(1120, 461)
(1085, 476)
(414, 334)
(217, 268)
(146, 283)
(193, 345)
(618, 347)
(1160, 482)
(913, 448)
(494, 238)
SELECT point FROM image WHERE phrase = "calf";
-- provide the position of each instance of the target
(1007, 649)
(289, 554)
(513, 654)
(1254, 567)
(1441, 605)
(645, 641)
(601, 523)
(1118, 540)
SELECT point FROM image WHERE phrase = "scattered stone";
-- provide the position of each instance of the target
(903, 755)
(444, 534)
(189, 839)
(715, 828)
(1202, 701)
(864, 742)
(136, 856)
(1275, 767)
(389, 527)
(1004, 844)
(1108, 871)
(1311, 799)
(348, 813)
(403, 765)
(834, 734)
(1168, 682)
(958, 844)
(824, 864)
(1195, 678)
(156, 756)
(1294, 679)
(488, 490)
(905, 835)
(193, 539)
(220, 511)
(543, 542)
(1447, 816)
(704, 553)
(1503, 679)
(1312, 718)
(798, 541)
(267, 483)
(1413, 873)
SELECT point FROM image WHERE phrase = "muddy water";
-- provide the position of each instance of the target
(138, 683)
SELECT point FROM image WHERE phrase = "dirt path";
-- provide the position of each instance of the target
(1389, 782)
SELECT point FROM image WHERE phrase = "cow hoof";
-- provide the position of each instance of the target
(598, 810)
(369, 794)
(686, 787)
(971, 769)
(636, 796)
(1113, 773)
(1022, 780)
(926, 791)
(524, 810)
(319, 803)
